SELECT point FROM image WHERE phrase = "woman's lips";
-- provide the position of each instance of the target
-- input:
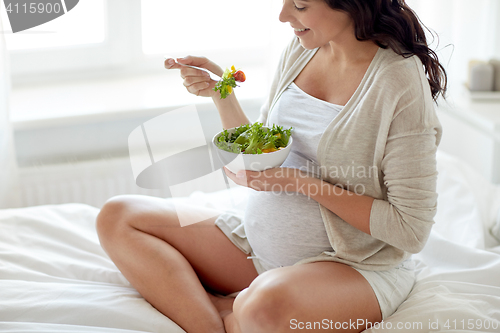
(300, 33)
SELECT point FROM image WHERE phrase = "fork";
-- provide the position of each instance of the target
(213, 76)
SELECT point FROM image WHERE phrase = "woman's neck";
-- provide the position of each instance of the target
(350, 51)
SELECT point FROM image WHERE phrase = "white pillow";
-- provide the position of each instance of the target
(468, 204)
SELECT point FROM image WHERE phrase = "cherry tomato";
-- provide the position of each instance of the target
(239, 76)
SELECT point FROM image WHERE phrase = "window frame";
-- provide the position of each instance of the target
(87, 60)
(119, 54)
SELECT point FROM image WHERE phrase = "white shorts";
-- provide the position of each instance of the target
(391, 286)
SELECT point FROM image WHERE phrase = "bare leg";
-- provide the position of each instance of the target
(231, 324)
(225, 308)
(171, 265)
(286, 299)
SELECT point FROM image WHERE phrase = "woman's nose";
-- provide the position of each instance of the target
(284, 14)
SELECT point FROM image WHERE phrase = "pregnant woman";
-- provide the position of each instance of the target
(358, 85)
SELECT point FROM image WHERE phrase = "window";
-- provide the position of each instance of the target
(100, 37)
(239, 32)
(73, 28)
(75, 41)
(466, 30)
(193, 26)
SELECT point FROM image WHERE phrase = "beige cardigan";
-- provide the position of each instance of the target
(383, 145)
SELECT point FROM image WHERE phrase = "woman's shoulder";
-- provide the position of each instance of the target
(401, 75)
(399, 66)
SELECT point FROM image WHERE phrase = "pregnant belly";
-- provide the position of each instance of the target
(283, 228)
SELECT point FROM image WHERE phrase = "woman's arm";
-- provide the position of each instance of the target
(199, 83)
(351, 207)
(230, 111)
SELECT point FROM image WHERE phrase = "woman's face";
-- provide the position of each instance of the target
(315, 23)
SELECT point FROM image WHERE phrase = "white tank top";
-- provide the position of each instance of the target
(283, 228)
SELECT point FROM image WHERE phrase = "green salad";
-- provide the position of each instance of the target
(254, 139)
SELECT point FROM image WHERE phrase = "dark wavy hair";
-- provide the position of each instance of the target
(391, 23)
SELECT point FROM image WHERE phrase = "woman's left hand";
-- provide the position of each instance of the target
(275, 179)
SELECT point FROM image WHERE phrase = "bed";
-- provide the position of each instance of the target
(54, 276)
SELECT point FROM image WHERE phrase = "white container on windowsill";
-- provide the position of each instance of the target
(481, 76)
(481, 81)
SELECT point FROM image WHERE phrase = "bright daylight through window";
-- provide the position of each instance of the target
(187, 26)
(73, 28)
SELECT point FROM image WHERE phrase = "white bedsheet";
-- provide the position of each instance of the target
(54, 276)
(458, 281)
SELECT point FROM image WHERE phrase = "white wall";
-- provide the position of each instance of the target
(466, 30)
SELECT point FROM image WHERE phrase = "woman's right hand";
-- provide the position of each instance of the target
(196, 82)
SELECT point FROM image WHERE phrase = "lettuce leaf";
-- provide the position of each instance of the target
(253, 139)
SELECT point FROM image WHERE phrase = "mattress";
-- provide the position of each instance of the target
(55, 277)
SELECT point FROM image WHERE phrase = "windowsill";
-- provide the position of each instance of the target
(92, 119)
(483, 114)
(91, 101)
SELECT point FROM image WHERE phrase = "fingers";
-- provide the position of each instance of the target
(170, 64)
(201, 62)
(197, 82)
(194, 75)
(238, 179)
(243, 175)
(274, 179)
(197, 88)
(245, 178)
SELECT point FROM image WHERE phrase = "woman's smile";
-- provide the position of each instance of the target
(300, 32)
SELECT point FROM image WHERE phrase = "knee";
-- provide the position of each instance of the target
(265, 306)
(112, 216)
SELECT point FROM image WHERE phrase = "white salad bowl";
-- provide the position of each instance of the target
(253, 162)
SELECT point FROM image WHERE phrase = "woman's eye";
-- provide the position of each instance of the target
(299, 8)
